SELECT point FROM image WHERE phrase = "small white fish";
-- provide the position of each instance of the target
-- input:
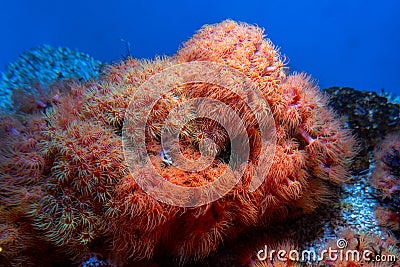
(166, 158)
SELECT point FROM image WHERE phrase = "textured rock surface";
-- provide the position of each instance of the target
(369, 115)
(42, 66)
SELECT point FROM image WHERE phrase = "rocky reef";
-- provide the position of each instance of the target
(370, 116)
(38, 68)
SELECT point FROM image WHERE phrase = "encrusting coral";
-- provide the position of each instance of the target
(64, 164)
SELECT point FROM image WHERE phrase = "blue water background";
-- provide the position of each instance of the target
(340, 42)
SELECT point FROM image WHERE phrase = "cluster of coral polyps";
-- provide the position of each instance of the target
(353, 249)
(386, 180)
(63, 166)
(368, 249)
(386, 174)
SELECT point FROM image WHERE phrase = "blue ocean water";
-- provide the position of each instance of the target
(339, 42)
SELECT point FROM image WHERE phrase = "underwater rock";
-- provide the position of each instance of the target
(41, 66)
(94, 260)
(369, 115)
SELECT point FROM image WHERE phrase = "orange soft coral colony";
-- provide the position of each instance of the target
(386, 174)
(87, 200)
(312, 151)
(386, 180)
(310, 139)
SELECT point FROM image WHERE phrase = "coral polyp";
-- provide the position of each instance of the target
(387, 171)
(84, 191)
(386, 180)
